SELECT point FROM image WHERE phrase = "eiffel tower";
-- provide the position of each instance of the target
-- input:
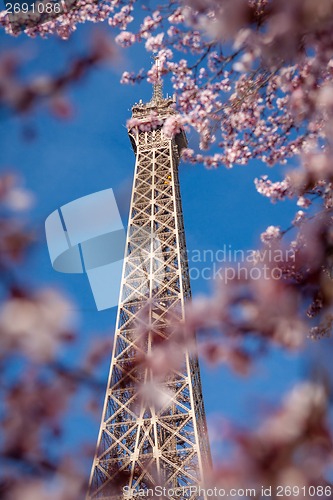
(144, 444)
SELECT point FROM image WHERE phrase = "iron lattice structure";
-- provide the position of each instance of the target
(142, 444)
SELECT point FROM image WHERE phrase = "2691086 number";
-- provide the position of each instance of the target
(302, 491)
(38, 7)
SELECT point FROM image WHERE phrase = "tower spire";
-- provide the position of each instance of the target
(158, 85)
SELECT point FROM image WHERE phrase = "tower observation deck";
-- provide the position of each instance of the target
(142, 443)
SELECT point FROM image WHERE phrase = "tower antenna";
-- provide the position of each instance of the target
(158, 85)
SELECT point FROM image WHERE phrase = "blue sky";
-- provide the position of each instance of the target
(91, 152)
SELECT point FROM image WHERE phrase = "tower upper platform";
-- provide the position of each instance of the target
(159, 108)
(158, 103)
(164, 107)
